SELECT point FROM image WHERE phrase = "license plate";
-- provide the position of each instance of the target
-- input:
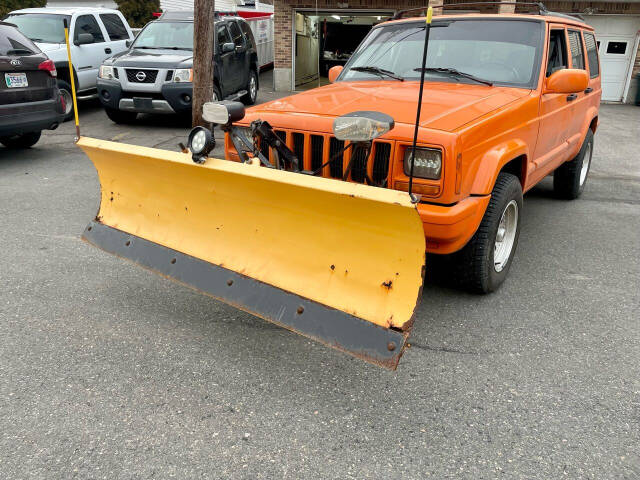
(16, 80)
(145, 103)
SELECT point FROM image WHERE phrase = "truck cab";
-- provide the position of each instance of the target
(95, 34)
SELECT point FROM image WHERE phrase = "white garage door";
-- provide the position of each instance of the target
(616, 35)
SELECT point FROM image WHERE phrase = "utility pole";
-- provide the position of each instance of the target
(203, 38)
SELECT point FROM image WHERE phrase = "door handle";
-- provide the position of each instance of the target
(588, 90)
(572, 97)
(107, 50)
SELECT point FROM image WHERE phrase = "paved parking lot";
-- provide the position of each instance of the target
(108, 371)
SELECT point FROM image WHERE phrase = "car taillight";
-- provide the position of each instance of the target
(49, 66)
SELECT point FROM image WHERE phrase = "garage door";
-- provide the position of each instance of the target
(616, 35)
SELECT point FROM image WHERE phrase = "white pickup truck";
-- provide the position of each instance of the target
(95, 33)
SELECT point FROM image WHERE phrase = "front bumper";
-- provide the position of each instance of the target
(20, 118)
(448, 228)
(173, 98)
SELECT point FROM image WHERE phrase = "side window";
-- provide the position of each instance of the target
(557, 52)
(88, 24)
(577, 55)
(236, 34)
(592, 54)
(222, 37)
(115, 27)
(248, 34)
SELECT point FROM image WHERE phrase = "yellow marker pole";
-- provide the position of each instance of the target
(73, 81)
(417, 125)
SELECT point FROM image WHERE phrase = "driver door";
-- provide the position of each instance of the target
(224, 61)
(554, 111)
(88, 58)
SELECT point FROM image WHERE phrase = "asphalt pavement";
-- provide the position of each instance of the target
(108, 371)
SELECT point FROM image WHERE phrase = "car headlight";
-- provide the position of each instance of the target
(107, 72)
(427, 164)
(183, 75)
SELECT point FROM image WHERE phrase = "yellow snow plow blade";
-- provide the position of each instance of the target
(339, 262)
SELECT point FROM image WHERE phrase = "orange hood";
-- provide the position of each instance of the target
(446, 106)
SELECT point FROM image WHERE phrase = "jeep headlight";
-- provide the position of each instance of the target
(183, 75)
(427, 164)
(107, 72)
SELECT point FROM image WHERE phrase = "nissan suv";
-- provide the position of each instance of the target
(155, 75)
(29, 97)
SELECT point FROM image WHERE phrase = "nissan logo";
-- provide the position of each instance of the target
(141, 76)
(15, 63)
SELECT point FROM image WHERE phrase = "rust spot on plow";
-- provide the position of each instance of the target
(388, 284)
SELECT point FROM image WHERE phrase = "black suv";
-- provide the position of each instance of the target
(29, 97)
(155, 75)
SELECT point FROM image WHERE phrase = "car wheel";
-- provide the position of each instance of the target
(482, 265)
(25, 140)
(65, 92)
(570, 178)
(119, 116)
(252, 89)
(217, 94)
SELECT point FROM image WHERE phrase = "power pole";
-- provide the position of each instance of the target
(203, 38)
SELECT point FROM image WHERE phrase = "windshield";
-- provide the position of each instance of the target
(40, 27)
(158, 35)
(501, 52)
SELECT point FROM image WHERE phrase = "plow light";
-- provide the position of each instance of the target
(201, 142)
(223, 113)
(362, 126)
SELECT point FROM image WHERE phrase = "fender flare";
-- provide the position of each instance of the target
(493, 161)
(591, 114)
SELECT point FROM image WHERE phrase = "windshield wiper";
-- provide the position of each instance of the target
(17, 51)
(377, 71)
(163, 48)
(455, 72)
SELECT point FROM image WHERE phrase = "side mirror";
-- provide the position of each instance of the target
(567, 80)
(84, 39)
(228, 47)
(334, 72)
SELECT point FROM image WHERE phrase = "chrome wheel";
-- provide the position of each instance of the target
(253, 87)
(586, 161)
(215, 97)
(68, 101)
(506, 235)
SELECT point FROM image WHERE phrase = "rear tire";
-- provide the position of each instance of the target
(483, 264)
(252, 89)
(570, 178)
(119, 116)
(65, 91)
(26, 140)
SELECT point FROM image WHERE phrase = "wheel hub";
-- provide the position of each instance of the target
(505, 236)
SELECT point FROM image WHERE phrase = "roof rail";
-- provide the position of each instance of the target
(542, 10)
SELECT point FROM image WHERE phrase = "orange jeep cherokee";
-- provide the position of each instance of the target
(508, 99)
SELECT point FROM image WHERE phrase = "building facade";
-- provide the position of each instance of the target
(310, 36)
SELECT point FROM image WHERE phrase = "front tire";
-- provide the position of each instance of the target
(26, 140)
(252, 89)
(119, 116)
(483, 264)
(570, 178)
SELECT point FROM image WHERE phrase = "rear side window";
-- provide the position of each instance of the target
(592, 54)
(115, 27)
(12, 42)
(557, 52)
(88, 24)
(577, 55)
(246, 29)
(236, 34)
